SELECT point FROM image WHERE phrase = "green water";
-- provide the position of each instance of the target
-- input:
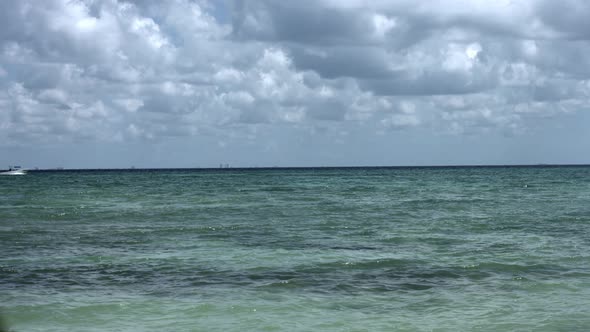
(462, 249)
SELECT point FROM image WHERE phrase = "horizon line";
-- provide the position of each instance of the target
(132, 168)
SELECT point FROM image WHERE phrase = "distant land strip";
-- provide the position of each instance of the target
(133, 169)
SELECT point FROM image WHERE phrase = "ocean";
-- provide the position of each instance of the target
(326, 249)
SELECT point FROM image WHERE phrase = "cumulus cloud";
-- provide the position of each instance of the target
(114, 70)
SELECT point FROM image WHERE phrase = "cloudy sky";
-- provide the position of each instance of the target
(196, 83)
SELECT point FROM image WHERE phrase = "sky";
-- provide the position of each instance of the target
(197, 83)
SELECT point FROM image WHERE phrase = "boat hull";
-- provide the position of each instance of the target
(15, 172)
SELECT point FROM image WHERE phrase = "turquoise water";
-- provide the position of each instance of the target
(424, 249)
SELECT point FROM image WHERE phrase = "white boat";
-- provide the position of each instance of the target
(14, 170)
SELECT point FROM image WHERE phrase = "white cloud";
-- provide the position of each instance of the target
(99, 70)
(400, 121)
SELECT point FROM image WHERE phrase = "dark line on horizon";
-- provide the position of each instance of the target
(307, 168)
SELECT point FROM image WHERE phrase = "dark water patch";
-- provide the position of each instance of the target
(540, 270)
(446, 242)
(358, 247)
(416, 286)
(272, 189)
(399, 240)
(442, 241)
(174, 276)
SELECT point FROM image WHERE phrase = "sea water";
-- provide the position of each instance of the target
(360, 249)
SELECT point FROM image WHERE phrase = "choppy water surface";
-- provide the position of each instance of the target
(463, 249)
